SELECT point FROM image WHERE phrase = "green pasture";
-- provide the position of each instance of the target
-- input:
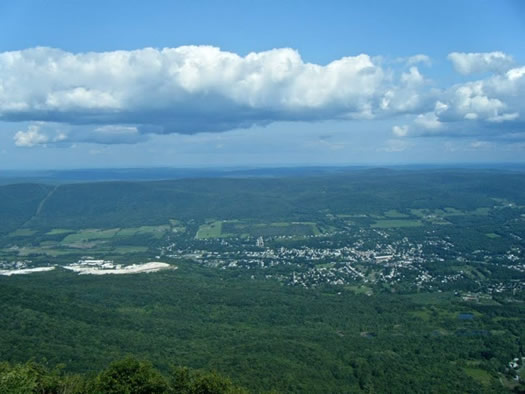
(492, 235)
(236, 228)
(154, 231)
(209, 230)
(59, 231)
(22, 232)
(480, 375)
(389, 223)
(90, 235)
(394, 213)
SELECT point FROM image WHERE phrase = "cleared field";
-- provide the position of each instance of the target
(481, 211)
(90, 234)
(343, 216)
(209, 230)
(235, 228)
(294, 229)
(177, 226)
(493, 235)
(470, 272)
(480, 375)
(58, 231)
(453, 212)
(419, 212)
(423, 314)
(438, 216)
(129, 249)
(22, 232)
(356, 289)
(27, 251)
(394, 213)
(154, 231)
(387, 223)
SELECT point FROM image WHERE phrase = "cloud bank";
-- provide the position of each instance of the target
(185, 90)
(124, 96)
(492, 107)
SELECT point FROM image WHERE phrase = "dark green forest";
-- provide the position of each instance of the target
(261, 335)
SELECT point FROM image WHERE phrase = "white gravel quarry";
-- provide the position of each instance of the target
(107, 268)
(25, 271)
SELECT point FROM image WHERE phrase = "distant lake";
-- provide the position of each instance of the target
(465, 316)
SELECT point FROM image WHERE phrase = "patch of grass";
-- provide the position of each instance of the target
(22, 232)
(58, 231)
(394, 213)
(296, 230)
(437, 216)
(419, 212)
(27, 251)
(209, 230)
(481, 211)
(493, 235)
(315, 229)
(453, 212)
(177, 226)
(470, 271)
(327, 229)
(155, 231)
(359, 289)
(480, 375)
(48, 244)
(127, 232)
(129, 249)
(423, 314)
(90, 234)
(387, 223)
(440, 222)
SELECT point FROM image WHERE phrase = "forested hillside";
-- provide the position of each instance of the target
(116, 204)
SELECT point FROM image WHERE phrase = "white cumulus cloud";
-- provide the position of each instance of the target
(186, 89)
(424, 59)
(492, 106)
(30, 137)
(124, 96)
(428, 121)
(400, 131)
(469, 63)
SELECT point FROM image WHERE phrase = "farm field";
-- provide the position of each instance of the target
(388, 223)
(240, 228)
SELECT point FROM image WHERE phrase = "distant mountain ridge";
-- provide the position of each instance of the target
(131, 203)
(167, 173)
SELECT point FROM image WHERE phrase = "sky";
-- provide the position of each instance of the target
(260, 83)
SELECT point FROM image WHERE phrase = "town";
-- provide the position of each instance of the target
(396, 264)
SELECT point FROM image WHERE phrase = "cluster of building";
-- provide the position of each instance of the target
(391, 262)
